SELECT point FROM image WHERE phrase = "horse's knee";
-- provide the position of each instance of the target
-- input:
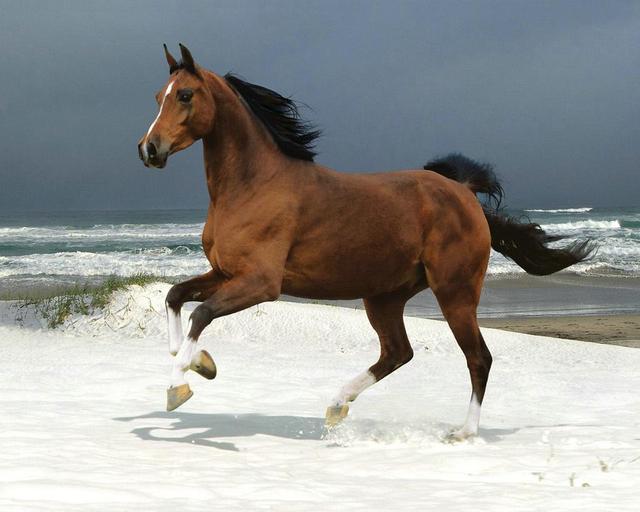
(199, 319)
(174, 298)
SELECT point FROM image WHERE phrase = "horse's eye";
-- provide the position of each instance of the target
(185, 95)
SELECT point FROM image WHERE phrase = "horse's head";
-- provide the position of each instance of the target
(186, 112)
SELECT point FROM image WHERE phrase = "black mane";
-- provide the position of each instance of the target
(280, 116)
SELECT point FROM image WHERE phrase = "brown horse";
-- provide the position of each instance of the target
(279, 223)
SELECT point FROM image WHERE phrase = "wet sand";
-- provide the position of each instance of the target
(621, 330)
(595, 309)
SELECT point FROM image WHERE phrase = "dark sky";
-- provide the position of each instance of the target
(547, 91)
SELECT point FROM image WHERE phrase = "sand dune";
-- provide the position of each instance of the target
(84, 428)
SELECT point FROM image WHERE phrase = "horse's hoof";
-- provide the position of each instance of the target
(202, 363)
(335, 415)
(458, 436)
(178, 395)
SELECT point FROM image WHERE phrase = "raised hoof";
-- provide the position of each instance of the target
(177, 396)
(202, 363)
(335, 415)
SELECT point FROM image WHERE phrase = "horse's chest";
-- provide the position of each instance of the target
(207, 242)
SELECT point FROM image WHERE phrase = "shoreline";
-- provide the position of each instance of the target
(615, 329)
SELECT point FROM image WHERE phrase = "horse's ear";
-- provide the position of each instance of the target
(173, 63)
(187, 59)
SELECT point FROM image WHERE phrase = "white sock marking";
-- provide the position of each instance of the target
(175, 330)
(470, 427)
(182, 362)
(353, 388)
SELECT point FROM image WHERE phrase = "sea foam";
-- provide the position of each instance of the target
(583, 224)
(561, 210)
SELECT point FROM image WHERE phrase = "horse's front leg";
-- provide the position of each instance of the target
(197, 289)
(232, 295)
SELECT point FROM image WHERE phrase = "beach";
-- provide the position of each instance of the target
(84, 427)
(171, 172)
(95, 433)
(84, 417)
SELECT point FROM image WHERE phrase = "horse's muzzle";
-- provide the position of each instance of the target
(150, 155)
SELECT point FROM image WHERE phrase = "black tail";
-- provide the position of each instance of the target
(523, 242)
(479, 177)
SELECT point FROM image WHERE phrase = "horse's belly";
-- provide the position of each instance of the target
(350, 274)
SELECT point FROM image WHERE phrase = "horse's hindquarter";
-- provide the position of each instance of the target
(358, 236)
(458, 243)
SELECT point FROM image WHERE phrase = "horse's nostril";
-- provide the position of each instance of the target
(151, 150)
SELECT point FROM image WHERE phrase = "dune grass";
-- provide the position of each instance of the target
(85, 299)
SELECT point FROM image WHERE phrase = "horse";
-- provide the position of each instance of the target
(279, 223)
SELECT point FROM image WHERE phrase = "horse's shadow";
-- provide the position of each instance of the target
(209, 427)
(205, 429)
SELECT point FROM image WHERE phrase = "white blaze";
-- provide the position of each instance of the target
(144, 143)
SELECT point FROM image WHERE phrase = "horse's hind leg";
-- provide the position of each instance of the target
(385, 315)
(459, 303)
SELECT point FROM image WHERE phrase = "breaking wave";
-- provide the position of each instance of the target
(163, 261)
(129, 232)
(583, 224)
(561, 210)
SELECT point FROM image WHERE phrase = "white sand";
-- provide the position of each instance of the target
(83, 425)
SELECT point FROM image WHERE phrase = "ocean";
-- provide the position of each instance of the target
(51, 249)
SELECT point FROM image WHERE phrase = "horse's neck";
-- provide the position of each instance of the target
(237, 152)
